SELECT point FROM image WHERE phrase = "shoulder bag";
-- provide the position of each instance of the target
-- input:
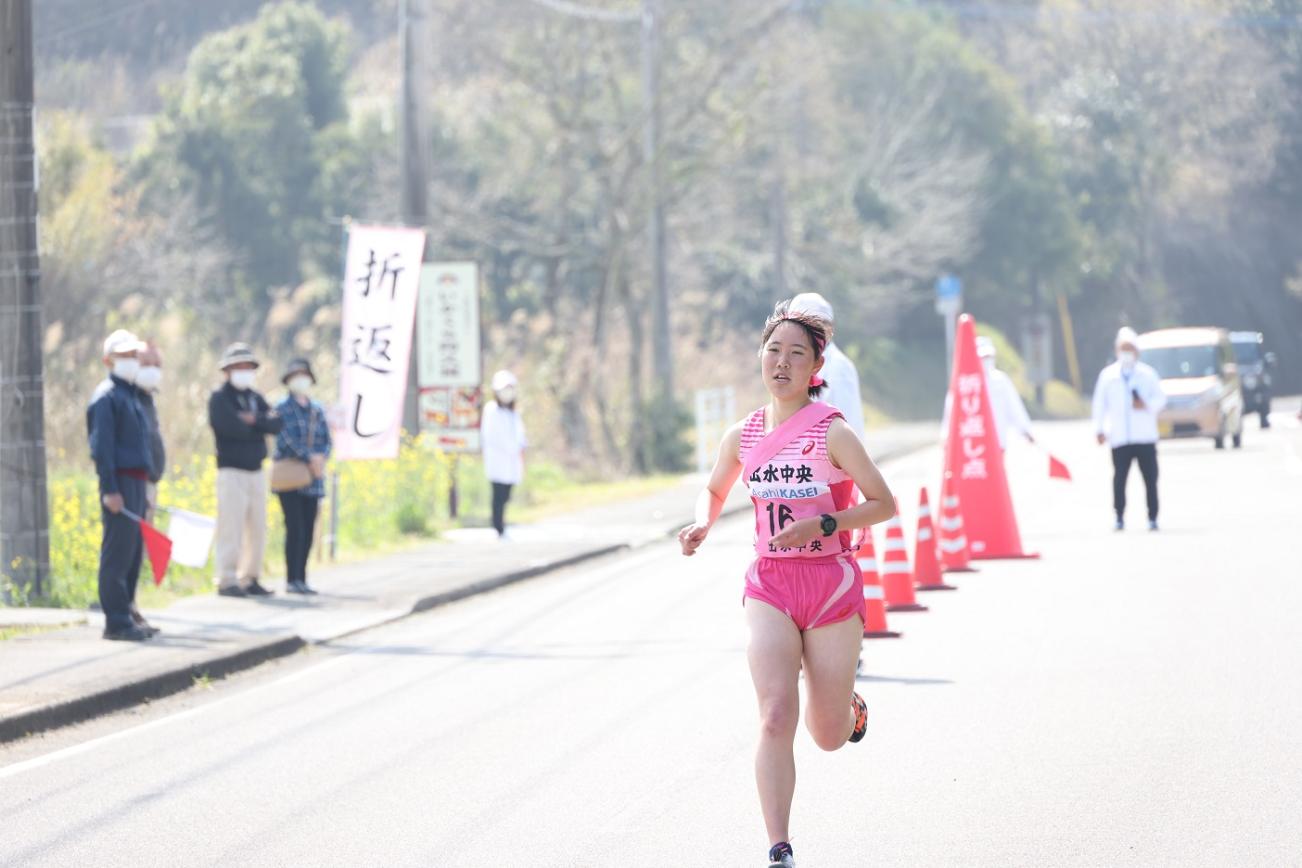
(292, 474)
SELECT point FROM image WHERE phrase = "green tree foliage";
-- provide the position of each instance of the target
(1143, 159)
(256, 133)
(1026, 231)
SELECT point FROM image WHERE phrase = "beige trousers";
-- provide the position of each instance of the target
(241, 525)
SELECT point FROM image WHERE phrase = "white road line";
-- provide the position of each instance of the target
(628, 562)
(86, 746)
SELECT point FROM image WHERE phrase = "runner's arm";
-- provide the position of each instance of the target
(709, 503)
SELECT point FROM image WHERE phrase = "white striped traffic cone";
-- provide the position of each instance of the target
(953, 539)
(926, 566)
(897, 575)
(874, 596)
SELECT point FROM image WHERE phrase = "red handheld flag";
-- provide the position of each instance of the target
(159, 549)
(1058, 470)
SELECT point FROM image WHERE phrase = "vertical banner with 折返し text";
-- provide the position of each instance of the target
(381, 281)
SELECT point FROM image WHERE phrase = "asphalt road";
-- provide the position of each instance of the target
(1129, 699)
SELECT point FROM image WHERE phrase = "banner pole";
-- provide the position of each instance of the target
(452, 488)
(334, 515)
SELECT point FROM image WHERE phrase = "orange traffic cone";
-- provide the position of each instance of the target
(974, 457)
(874, 597)
(953, 540)
(897, 575)
(926, 566)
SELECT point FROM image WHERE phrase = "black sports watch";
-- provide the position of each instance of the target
(828, 524)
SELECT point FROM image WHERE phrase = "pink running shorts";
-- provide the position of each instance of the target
(813, 592)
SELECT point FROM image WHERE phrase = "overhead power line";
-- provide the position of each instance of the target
(591, 13)
(1165, 13)
(94, 22)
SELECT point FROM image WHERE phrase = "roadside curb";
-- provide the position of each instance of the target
(163, 684)
(157, 686)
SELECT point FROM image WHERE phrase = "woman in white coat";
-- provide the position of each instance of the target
(503, 442)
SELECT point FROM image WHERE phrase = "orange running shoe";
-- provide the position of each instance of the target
(860, 717)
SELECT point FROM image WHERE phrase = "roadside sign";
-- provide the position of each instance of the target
(1037, 348)
(450, 417)
(716, 409)
(448, 323)
(949, 304)
(949, 295)
(450, 369)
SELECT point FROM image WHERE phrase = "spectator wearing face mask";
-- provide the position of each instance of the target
(304, 438)
(241, 420)
(1127, 398)
(503, 440)
(118, 429)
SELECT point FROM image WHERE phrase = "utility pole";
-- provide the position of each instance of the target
(778, 189)
(661, 335)
(411, 35)
(24, 508)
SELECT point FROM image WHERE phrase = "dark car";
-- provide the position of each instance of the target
(1256, 366)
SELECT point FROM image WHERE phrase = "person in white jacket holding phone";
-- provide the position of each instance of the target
(1127, 398)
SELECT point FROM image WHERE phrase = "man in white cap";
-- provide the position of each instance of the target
(1005, 401)
(119, 431)
(502, 439)
(842, 389)
(1127, 398)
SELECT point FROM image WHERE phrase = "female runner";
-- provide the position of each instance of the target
(804, 591)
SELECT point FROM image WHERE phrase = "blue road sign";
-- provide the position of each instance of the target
(948, 286)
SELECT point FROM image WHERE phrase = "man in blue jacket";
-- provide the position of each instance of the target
(118, 429)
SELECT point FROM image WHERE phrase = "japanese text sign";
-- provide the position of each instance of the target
(448, 325)
(381, 278)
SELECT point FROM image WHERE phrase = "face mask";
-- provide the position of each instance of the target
(126, 369)
(243, 380)
(149, 377)
(300, 385)
(506, 396)
(1127, 358)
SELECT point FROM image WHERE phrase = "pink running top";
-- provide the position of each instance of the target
(798, 481)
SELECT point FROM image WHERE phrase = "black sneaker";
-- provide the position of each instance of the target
(253, 589)
(231, 591)
(299, 587)
(127, 634)
(860, 718)
(780, 856)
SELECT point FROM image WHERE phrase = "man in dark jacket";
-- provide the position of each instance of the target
(118, 430)
(241, 420)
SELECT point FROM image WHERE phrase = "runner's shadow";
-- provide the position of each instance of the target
(887, 679)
